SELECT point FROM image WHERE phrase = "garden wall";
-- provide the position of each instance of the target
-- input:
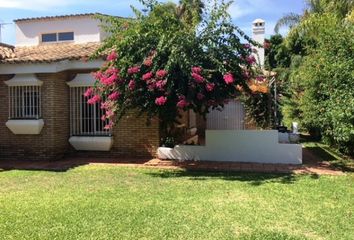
(237, 146)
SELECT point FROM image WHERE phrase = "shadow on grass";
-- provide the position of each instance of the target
(254, 179)
(322, 154)
(62, 165)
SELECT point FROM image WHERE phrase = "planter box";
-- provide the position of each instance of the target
(91, 143)
(30, 127)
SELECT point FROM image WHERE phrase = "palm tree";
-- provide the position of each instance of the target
(290, 20)
(293, 19)
(340, 7)
(191, 11)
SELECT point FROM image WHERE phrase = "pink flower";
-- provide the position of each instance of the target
(131, 85)
(182, 103)
(246, 74)
(260, 78)
(103, 117)
(109, 113)
(88, 92)
(160, 101)
(114, 96)
(200, 96)
(151, 85)
(197, 70)
(147, 76)
(133, 70)
(251, 59)
(229, 78)
(211, 103)
(148, 62)
(112, 56)
(210, 87)
(247, 46)
(105, 105)
(161, 73)
(109, 125)
(112, 71)
(97, 75)
(266, 45)
(109, 80)
(197, 78)
(94, 99)
(161, 84)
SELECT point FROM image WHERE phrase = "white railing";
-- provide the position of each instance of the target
(85, 119)
(25, 102)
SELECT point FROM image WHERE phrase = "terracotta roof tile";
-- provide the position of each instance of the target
(47, 53)
(6, 51)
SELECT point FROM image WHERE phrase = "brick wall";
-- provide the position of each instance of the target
(51, 143)
(132, 137)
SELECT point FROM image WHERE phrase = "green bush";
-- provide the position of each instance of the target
(327, 78)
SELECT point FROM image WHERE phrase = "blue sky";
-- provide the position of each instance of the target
(243, 12)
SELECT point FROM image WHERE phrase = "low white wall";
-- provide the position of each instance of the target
(237, 146)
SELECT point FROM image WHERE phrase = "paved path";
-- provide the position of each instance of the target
(310, 166)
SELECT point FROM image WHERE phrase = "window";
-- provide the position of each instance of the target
(85, 119)
(49, 37)
(66, 36)
(24, 102)
(57, 37)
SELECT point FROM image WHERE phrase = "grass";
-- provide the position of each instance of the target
(110, 202)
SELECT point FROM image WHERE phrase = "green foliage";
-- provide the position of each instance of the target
(321, 93)
(327, 76)
(173, 38)
(318, 82)
(259, 109)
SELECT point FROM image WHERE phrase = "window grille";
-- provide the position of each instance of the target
(25, 102)
(85, 119)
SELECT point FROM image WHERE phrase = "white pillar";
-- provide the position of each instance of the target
(258, 35)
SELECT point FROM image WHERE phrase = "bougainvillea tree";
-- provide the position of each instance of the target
(159, 63)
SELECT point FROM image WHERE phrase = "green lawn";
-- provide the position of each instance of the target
(110, 202)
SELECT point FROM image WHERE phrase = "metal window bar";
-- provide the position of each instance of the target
(85, 119)
(24, 102)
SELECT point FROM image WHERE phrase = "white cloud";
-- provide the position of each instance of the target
(236, 10)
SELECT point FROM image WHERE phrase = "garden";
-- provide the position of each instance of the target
(110, 202)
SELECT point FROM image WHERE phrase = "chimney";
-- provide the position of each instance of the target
(258, 35)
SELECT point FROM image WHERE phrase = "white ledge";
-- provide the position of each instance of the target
(91, 143)
(82, 80)
(21, 80)
(25, 126)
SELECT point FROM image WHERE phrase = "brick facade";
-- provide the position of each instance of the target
(132, 137)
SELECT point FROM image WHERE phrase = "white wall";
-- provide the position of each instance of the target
(86, 29)
(232, 117)
(238, 146)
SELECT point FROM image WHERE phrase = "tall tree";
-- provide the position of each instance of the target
(164, 62)
(191, 11)
(338, 7)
